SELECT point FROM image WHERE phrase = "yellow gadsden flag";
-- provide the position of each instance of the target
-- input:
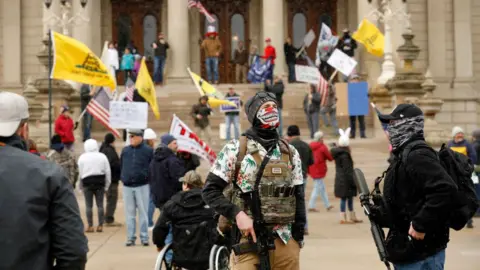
(146, 88)
(369, 35)
(215, 98)
(74, 61)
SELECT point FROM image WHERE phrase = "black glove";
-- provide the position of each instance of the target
(76, 126)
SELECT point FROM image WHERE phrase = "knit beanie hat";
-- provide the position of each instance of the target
(167, 139)
(254, 103)
(456, 130)
(317, 136)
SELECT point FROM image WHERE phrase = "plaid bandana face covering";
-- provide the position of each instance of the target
(401, 131)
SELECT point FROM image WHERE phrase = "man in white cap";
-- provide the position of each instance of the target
(29, 204)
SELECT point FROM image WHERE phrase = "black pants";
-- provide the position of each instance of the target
(353, 125)
(112, 198)
(98, 193)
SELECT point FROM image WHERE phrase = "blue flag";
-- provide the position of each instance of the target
(259, 71)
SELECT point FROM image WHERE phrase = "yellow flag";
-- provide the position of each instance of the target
(73, 60)
(146, 88)
(369, 35)
(215, 98)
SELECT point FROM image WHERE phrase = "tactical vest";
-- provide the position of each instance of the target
(276, 189)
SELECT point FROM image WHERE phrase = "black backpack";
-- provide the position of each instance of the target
(460, 168)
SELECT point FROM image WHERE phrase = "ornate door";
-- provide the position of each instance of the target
(304, 15)
(232, 26)
(136, 22)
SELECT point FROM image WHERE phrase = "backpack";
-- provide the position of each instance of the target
(460, 168)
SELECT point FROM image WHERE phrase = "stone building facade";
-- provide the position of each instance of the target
(447, 32)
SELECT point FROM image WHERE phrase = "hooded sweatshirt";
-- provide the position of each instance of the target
(94, 168)
(320, 157)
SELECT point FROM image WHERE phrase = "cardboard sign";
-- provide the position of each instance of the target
(128, 115)
(342, 62)
(352, 99)
(227, 108)
(307, 74)
(309, 38)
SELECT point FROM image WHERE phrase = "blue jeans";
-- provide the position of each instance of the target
(312, 121)
(280, 127)
(151, 211)
(87, 125)
(434, 262)
(332, 121)
(291, 72)
(168, 240)
(318, 187)
(158, 66)
(136, 198)
(344, 201)
(212, 67)
(235, 120)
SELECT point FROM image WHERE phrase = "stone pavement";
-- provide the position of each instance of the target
(329, 245)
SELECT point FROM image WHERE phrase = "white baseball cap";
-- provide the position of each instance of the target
(149, 134)
(13, 109)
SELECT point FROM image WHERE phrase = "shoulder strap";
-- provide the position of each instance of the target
(285, 149)
(242, 151)
(410, 147)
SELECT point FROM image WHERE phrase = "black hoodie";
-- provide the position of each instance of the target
(164, 174)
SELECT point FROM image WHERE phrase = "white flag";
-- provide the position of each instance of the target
(325, 32)
(188, 141)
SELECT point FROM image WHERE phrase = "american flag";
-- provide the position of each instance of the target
(201, 9)
(323, 89)
(129, 88)
(99, 108)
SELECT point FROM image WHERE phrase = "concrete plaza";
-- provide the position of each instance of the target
(329, 245)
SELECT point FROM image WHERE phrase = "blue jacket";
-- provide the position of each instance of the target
(464, 147)
(165, 172)
(128, 61)
(135, 162)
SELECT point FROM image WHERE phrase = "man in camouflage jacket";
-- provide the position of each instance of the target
(63, 157)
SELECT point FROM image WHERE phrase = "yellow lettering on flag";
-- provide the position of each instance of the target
(215, 98)
(74, 61)
(146, 88)
(369, 35)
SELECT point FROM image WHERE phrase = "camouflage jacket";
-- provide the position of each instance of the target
(66, 160)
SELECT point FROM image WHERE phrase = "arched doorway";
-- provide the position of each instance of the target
(137, 23)
(304, 15)
(232, 26)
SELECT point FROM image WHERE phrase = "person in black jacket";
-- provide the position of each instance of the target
(86, 94)
(311, 107)
(160, 47)
(187, 209)
(418, 195)
(108, 149)
(476, 145)
(291, 58)
(41, 227)
(278, 89)
(200, 113)
(348, 45)
(191, 161)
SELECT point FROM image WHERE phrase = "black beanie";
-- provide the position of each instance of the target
(55, 140)
(109, 138)
(293, 131)
(254, 103)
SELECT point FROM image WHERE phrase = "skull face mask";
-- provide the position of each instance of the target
(268, 117)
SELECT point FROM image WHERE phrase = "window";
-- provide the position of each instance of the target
(237, 31)
(214, 24)
(124, 26)
(299, 29)
(149, 34)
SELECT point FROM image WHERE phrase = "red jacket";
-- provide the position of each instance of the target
(320, 157)
(64, 128)
(270, 53)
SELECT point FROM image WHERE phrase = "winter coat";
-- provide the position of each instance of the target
(241, 57)
(278, 89)
(212, 47)
(320, 157)
(306, 155)
(135, 161)
(204, 111)
(464, 148)
(113, 160)
(417, 193)
(164, 174)
(93, 167)
(191, 161)
(290, 53)
(347, 45)
(64, 128)
(128, 61)
(270, 53)
(35, 152)
(66, 160)
(344, 176)
(39, 213)
(312, 105)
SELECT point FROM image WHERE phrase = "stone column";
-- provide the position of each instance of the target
(462, 28)
(36, 111)
(178, 30)
(11, 26)
(398, 25)
(273, 28)
(437, 32)
(88, 32)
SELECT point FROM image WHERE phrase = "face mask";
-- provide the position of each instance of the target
(268, 117)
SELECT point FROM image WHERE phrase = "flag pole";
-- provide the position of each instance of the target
(50, 60)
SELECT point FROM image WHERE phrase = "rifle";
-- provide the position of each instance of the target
(377, 231)
(265, 241)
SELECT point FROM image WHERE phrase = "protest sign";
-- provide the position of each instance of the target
(309, 38)
(342, 62)
(128, 115)
(307, 74)
(228, 108)
(352, 99)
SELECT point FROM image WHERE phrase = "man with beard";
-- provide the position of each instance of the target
(41, 227)
(418, 193)
(261, 152)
